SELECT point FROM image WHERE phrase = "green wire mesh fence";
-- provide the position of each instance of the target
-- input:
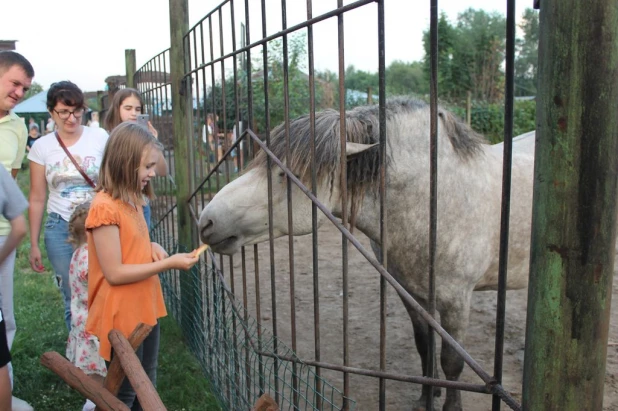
(241, 359)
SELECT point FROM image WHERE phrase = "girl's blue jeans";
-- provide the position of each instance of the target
(59, 253)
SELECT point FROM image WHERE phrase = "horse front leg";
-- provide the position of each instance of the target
(454, 318)
(421, 338)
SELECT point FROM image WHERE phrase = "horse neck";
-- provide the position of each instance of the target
(365, 217)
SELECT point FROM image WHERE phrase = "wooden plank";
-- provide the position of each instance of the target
(146, 393)
(115, 373)
(574, 209)
(80, 382)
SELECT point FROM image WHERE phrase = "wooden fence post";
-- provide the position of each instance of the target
(574, 211)
(129, 58)
(182, 117)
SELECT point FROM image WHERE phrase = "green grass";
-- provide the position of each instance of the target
(40, 328)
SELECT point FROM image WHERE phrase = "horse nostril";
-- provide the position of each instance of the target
(207, 227)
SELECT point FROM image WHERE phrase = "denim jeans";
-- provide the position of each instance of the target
(59, 252)
(147, 214)
(148, 354)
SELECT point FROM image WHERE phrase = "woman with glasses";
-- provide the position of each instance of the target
(54, 162)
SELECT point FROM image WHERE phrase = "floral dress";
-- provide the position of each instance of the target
(82, 347)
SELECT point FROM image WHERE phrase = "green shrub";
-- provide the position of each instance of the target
(488, 119)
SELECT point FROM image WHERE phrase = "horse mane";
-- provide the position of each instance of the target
(362, 126)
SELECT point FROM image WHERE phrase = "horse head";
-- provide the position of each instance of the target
(238, 214)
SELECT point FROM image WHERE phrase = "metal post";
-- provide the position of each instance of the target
(182, 117)
(574, 211)
(131, 67)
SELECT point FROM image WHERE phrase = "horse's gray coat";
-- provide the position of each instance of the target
(469, 201)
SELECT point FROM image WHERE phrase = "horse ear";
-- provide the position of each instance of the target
(353, 150)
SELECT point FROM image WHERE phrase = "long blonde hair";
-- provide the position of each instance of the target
(118, 175)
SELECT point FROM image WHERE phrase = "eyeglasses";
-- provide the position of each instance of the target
(65, 114)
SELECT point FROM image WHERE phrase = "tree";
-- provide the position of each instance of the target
(526, 59)
(446, 50)
(360, 80)
(470, 55)
(405, 78)
(35, 88)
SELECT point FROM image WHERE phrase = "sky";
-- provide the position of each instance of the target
(85, 41)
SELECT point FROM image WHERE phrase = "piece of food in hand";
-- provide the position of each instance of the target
(200, 250)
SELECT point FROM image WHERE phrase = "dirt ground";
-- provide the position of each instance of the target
(364, 323)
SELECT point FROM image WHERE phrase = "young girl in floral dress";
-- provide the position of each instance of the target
(82, 347)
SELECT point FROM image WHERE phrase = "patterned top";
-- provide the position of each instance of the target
(67, 187)
(120, 307)
(82, 347)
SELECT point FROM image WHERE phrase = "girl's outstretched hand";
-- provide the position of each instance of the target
(158, 252)
(182, 261)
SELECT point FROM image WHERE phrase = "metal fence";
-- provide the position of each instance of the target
(231, 82)
(254, 330)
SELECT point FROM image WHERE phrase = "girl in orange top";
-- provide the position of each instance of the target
(123, 284)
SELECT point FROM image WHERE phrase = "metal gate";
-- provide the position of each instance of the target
(232, 307)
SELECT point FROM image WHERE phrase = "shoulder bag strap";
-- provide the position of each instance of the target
(88, 180)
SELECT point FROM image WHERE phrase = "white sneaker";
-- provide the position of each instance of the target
(89, 406)
(21, 405)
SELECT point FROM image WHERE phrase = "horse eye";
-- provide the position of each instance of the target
(282, 174)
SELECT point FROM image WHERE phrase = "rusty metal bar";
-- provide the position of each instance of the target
(314, 211)
(269, 177)
(433, 195)
(506, 197)
(344, 204)
(286, 114)
(383, 210)
(483, 389)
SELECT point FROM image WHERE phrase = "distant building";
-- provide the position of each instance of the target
(7, 45)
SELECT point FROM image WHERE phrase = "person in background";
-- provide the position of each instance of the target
(123, 283)
(12, 207)
(53, 171)
(94, 119)
(33, 135)
(126, 105)
(82, 347)
(16, 75)
(51, 125)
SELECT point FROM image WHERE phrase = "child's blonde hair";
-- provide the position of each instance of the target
(77, 225)
(118, 175)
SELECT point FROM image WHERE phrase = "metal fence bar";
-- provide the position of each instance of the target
(383, 210)
(286, 109)
(314, 208)
(344, 201)
(506, 197)
(433, 196)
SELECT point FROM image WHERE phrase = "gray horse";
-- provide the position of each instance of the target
(469, 198)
